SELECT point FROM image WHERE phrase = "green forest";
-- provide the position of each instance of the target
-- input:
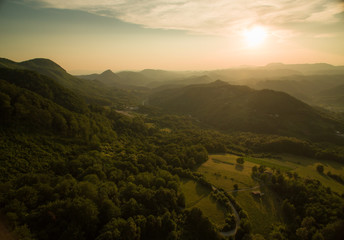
(82, 160)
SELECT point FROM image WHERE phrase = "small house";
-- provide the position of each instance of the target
(257, 193)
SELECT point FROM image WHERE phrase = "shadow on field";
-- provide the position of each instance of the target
(201, 190)
(239, 167)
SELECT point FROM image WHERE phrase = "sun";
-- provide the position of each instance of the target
(255, 36)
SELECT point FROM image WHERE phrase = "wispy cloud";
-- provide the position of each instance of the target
(325, 35)
(207, 16)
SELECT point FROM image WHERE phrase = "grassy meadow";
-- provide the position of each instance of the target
(198, 196)
(306, 167)
(223, 171)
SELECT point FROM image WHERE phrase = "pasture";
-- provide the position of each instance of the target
(223, 171)
(198, 196)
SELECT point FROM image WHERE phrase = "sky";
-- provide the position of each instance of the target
(87, 36)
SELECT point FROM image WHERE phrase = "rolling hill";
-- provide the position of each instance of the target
(332, 97)
(45, 87)
(93, 92)
(308, 69)
(107, 77)
(240, 108)
(313, 89)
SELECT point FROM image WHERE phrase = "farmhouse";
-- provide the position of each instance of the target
(257, 193)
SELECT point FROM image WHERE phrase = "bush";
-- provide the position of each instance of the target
(320, 168)
(240, 160)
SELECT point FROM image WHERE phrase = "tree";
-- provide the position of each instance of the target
(288, 210)
(261, 168)
(240, 160)
(278, 232)
(236, 187)
(302, 233)
(181, 200)
(318, 236)
(258, 237)
(320, 168)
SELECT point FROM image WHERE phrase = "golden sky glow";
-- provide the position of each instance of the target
(255, 36)
(87, 36)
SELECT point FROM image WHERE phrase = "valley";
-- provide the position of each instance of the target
(171, 120)
(83, 158)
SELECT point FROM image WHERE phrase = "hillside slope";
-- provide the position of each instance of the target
(239, 108)
(93, 92)
(310, 89)
(44, 86)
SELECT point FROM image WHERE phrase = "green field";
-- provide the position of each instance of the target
(306, 167)
(262, 211)
(198, 196)
(222, 171)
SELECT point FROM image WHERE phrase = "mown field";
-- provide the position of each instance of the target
(198, 196)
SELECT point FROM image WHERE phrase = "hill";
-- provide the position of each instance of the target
(240, 108)
(333, 97)
(308, 69)
(162, 75)
(194, 79)
(44, 86)
(68, 171)
(149, 78)
(93, 92)
(107, 77)
(312, 89)
(243, 74)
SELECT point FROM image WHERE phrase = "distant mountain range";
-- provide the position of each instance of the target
(246, 75)
(219, 104)
(308, 69)
(147, 78)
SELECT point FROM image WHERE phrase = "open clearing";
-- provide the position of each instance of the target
(221, 167)
(262, 211)
(305, 167)
(198, 196)
(223, 172)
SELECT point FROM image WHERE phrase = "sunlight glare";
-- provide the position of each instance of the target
(255, 36)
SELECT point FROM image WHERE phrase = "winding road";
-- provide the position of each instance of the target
(237, 223)
(236, 214)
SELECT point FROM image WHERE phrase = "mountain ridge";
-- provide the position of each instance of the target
(240, 108)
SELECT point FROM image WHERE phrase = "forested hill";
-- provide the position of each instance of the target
(90, 174)
(239, 108)
(45, 67)
(45, 87)
(93, 92)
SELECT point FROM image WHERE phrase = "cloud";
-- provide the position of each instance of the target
(221, 17)
(325, 35)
